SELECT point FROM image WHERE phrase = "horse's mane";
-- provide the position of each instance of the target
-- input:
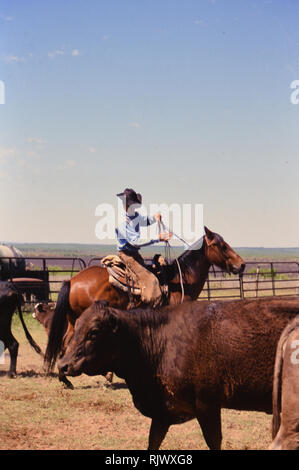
(198, 245)
(195, 250)
(183, 262)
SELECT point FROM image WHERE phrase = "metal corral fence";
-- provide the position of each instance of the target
(43, 277)
(260, 279)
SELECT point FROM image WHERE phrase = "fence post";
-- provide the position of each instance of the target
(257, 281)
(241, 286)
(272, 276)
(10, 267)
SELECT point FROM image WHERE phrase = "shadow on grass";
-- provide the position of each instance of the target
(108, 385)
(36, 374)
(117, 385)
(28, 373)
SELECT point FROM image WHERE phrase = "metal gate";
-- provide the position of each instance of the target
(43, 278)
(260, 279)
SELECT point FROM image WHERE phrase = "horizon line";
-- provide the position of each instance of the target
(111, 244)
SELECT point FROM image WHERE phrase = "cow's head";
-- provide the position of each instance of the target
(44, 313)
(41, 310)
(93, 347)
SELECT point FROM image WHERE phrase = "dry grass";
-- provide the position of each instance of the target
(36, 412)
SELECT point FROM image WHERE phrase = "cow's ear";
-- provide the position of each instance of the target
(113, 322)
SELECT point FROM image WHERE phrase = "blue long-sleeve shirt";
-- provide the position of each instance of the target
(128, 232)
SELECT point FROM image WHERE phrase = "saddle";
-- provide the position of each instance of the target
(119, 275)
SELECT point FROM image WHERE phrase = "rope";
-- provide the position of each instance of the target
(174, 234)
(166, 246)
(168, 249)
(181, 280)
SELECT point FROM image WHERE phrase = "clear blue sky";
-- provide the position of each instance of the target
(187, 101)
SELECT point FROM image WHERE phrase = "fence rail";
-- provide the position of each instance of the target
(260, 278)
(51, 270)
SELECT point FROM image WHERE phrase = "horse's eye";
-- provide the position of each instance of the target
(224, 248)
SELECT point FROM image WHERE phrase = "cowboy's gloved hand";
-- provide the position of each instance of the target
(164, 237)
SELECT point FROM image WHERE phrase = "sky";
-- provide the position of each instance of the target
(186, 101)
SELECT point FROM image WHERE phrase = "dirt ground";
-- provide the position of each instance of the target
(37, 413)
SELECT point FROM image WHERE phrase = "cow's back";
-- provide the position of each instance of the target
(247, 337)
(227, 347)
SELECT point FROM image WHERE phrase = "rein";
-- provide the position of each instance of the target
(168, 249)
(161, 224)
(181, 279)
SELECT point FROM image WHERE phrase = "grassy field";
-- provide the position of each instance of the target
(36, 412)
(93, 250)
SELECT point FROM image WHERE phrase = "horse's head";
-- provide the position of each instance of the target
(221, 254)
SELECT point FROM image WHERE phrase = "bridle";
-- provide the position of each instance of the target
(213, 245)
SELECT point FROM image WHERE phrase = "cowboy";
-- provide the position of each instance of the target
(128, 239)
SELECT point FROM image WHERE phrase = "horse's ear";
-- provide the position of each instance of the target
(209, 234)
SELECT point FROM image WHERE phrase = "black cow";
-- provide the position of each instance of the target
(187, 361)
(10, 301)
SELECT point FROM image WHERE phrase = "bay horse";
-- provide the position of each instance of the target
(92, 284)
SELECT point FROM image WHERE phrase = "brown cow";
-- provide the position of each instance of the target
(44, 314)
(285, 431)
(187, 361)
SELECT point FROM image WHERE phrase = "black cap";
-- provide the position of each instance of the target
(130, 196)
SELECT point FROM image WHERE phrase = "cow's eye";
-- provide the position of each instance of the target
(92, 335)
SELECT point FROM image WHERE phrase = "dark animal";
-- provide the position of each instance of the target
(10, 300)
(43, 312)
(285, 428)
(187, 361)
(32, 287)
(92, 284)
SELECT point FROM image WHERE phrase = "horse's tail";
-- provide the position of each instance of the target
(58, 326)
(28, 335)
